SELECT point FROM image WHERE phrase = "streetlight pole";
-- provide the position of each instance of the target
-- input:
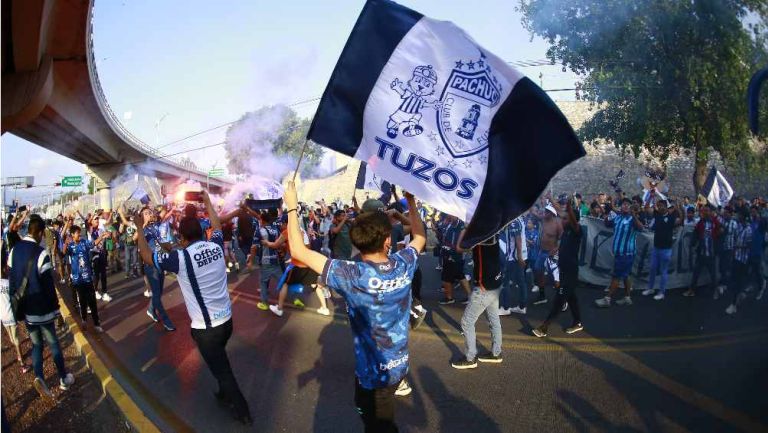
(157, 129)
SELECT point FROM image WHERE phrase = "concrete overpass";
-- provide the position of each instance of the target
(52, 96)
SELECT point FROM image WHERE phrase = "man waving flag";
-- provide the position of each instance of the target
(429, 109)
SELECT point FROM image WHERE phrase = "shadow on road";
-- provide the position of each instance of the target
(659, 403)
(457, 414)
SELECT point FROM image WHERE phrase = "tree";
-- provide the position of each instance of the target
(270, 140)
(663, 75)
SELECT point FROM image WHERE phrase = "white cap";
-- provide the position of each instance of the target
(551, 208)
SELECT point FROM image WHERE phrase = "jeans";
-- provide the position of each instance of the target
(481, 301)
(755, 270)
(131, 260)
(513, 274)
(660, 258)
(212, 344)
(156, 279)
(376, 408)
(268, 272)
(704, 263)
(47, 332)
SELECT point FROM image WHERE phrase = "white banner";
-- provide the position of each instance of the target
(596, 257)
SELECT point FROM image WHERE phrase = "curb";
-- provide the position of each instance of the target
(135, 416)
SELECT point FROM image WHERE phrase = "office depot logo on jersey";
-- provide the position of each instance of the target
(208, 255)
(376, 283)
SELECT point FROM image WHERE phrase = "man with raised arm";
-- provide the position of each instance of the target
(202, 276)
(377, 291)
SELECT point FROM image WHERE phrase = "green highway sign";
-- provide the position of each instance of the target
(216, 172)
(72, 181)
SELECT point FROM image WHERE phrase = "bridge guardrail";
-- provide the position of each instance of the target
(112, 119)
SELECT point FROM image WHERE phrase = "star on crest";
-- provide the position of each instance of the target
(481, 64)
(432, 136)
(468, 163)
(459, 144)
(459, 64)
(483, 159)
(439, 150)
(471, 65)
(452, 163)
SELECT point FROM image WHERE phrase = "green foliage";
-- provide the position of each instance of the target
(663, 75)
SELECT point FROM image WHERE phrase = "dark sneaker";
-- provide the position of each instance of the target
(169, 327)
(464, 364)
(574, 329)
(447, 301)
(540, 332)
(152, 315)
(491, 358)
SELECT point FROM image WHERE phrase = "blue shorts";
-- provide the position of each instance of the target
(539, 261)
(622, 266)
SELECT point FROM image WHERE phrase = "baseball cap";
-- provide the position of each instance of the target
(284, 218)
(372, 205)
(550, 208)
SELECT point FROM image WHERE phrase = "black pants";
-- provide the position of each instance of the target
(100, 271)
(738, 280)
(212, 344)
(704, 263)
(416, 286)
(565, 293)
(376, 408)
(87, 297)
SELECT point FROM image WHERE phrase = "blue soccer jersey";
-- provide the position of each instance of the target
(79, 254)
(624, 233)
(152, 234)
(378, 297)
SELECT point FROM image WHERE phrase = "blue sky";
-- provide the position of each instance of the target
(203, 63)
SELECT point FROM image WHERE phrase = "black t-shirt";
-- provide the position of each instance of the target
(487, 269)
(226, 230)
(398, 234)
(245, 228)
(569, 249)
(663, 228)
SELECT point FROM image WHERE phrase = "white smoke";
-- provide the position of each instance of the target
(251, 141)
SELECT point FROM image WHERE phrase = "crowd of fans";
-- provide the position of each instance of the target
(536, 251)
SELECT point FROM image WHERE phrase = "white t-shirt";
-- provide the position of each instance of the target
(206, 295)
(6, 313)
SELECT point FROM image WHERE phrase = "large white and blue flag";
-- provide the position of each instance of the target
(429, 109)
(716, 188)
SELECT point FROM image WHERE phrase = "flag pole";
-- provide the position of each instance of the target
(298, 164)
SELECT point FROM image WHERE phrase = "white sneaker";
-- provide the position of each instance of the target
(535, 289)
(731, 309)
(147, 294)
(648, 292)
(98, 329)
(659, 296)
(98, 295)
(106, 298)
(518, 310)
(324, 311)
(68, 380)
(278, 312)
(603, 302)
(760, 294)
(721, 288)
(505, 311)
(565, 306)
(624, 301)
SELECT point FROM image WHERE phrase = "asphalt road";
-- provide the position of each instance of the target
(678, 365)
